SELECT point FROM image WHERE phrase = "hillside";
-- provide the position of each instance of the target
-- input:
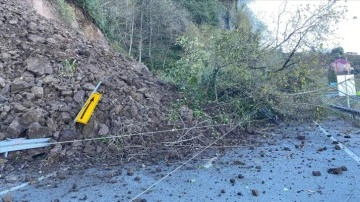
(47, 72)
(52, 56)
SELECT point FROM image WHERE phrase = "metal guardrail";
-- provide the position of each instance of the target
(22, 143)
(345, 109)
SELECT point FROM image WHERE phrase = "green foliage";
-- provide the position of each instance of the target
(203, 12)
(145, 30)
(338, 51)
(217, 68)
(226, 74)
(295, 90)
(67, 68)
(66, 11)
(230, 74)
(97, 13)
(331, 76)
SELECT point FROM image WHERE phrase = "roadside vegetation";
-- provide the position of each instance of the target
(227, 64)
(66, 11)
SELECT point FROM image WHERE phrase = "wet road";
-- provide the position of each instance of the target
(290, 164)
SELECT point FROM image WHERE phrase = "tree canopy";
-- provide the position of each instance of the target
(338, 51)
(219, 54)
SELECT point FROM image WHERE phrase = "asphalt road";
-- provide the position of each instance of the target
(281, 168)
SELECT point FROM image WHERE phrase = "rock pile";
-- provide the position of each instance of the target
(47, 72)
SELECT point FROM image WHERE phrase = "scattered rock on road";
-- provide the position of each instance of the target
(337, 171)
(130, 172)
(301, 137)
(238, 162)
(286, 149)
(322, 149)
(8, 198)
(139, 200)
(316, 173)
(255, 192)
(74, 188)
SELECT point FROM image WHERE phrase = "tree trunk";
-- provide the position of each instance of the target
(141, 30)
(132, 30)
(228, 5)
(213, 83)
(151, 34)
(227, 20)
(151, 31)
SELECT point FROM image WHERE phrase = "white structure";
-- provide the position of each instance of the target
(346, 85)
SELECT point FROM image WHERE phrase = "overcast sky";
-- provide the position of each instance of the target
(349, 29)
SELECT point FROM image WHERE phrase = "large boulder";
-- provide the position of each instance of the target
(35, 130)
(15, 129)
(39, 65)
(31, 116)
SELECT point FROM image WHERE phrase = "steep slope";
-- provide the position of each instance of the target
(79, 21)
(47, 71)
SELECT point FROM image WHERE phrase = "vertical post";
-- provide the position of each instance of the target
(347, 91)
(97, 86)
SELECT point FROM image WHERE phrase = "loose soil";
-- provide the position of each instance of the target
(47, 72)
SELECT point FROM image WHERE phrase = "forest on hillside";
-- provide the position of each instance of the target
(226, 63)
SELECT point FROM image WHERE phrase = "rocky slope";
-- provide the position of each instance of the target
(47, 71)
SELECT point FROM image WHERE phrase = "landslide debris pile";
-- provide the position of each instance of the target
(47, 72)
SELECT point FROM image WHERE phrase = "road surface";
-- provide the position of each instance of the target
(290, 164)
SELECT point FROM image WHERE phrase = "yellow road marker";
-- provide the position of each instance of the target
(88, 109)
